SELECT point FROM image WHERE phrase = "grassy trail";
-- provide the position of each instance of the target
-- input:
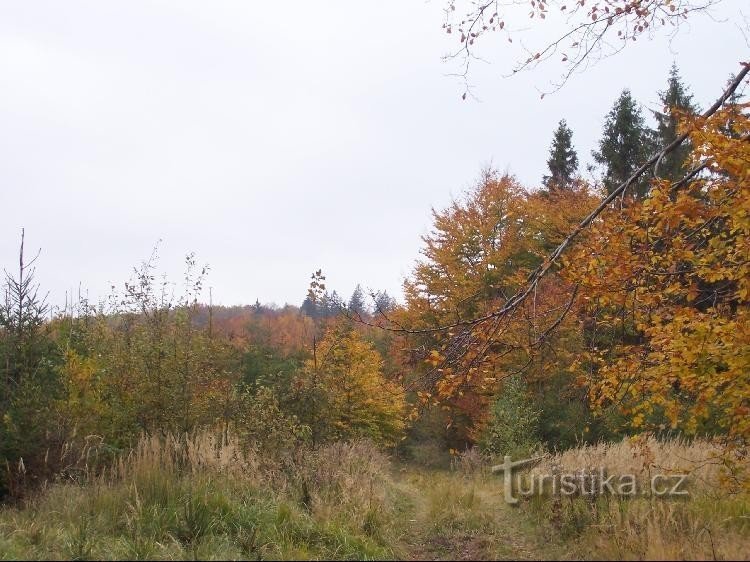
(451, 517)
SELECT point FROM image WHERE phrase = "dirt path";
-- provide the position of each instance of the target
(451, 517)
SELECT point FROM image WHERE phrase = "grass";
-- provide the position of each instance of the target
(164, 504)
(455, 516)
(191, 499)
(711, 523)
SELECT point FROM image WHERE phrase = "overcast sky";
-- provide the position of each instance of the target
(276, 138)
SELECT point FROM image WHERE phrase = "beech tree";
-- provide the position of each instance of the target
(669, 279)
(480, 251)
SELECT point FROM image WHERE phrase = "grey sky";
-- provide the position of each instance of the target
(273, 139)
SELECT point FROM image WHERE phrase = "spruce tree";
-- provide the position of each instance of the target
(384, 303)
(357, 302)
(563, 160)
(625, 144)
(674, 99)
(733, 104)
(309, 308)
(29, 381)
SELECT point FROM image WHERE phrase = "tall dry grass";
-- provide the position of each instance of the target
(708, 463)
(191, 454)
(198, 496)
(711, 522)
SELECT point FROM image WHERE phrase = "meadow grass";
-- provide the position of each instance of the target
(192, 498)
(189, 499)
(712, 522)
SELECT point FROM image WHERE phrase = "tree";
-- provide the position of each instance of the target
(625, 144)
(29, 381)
(314, 303)
(667, 279)
(333, 304)
(357, 303)
(675, 101)
(479, 252)
(144, 365)
(384, 303)
(513, 427)
(319, 304)
(563, 160)
(343, 394)
(734, 107)
(467, 344)
(475, 243)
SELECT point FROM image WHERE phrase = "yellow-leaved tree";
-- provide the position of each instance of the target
(342, 393)
(666, 283)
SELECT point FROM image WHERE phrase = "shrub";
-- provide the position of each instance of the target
(513, 427)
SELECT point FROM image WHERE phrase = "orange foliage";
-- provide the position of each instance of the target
(480, 251)
(666, 284)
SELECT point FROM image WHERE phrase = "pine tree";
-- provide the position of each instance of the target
(563, 160)
(674, 100)
(626, 143)
(384, 303)
(357, 303)
(29, 382)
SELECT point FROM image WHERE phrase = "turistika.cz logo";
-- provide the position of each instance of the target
(585, 482)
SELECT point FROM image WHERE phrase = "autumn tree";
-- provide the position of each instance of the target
(668, 278)
(142, 364)
(563, 160)
(475, 245)
(625, 144)
(480, 251)
(342, 393)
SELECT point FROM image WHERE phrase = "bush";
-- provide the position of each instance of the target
(513, 428)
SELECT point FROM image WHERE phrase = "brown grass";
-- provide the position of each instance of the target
(713, 522)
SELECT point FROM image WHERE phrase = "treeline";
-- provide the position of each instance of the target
(627, 141)
(148, 361)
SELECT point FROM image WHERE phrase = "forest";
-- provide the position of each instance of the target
(597, 319)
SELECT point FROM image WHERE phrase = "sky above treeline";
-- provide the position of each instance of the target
(275, 139)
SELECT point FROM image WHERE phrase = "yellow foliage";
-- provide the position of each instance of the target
(347, 394)
(671, 293)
